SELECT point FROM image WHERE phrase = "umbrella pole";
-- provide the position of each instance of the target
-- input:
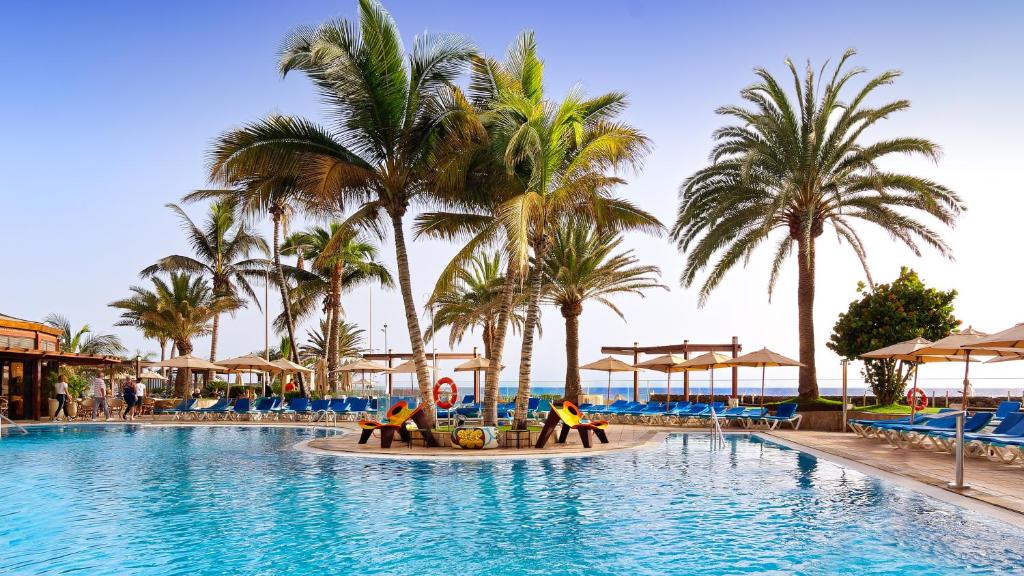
(712, 399)
(668, 386)
(967, 382)
(913, 406)
(608, 397)
(762, 387)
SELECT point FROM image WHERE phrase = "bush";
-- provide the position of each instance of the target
(887, 315)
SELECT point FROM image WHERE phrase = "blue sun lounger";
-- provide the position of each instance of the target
(913, 434)
(1010, 429)
(784, 414)
(242, 407)
(220, 408)
(183, 407)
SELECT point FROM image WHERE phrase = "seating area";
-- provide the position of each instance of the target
(272, 408)
(693, 414)
(997, 436)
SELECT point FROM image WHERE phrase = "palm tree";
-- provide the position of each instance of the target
(472, 300)
(796, 164)
(314, 351)
(567, 154)
(340, 260)
(84, 340)
(583, 265)
(391, 110)
(183, 306)
(279, 196)
(222, 246)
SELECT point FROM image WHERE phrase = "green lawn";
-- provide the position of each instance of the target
(894, 409)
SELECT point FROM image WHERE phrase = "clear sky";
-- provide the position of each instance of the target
(109, 108)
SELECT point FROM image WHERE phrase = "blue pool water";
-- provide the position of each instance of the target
(231, 500)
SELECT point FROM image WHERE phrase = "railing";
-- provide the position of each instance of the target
(10, 423)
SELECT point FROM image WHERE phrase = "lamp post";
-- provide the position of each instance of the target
(388, 352)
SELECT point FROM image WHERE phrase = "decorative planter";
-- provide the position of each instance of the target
(475, 437)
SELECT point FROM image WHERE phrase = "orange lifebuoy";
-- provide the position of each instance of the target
(453, 393)
(917, 399)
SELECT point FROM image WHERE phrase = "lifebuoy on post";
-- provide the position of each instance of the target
(917, 399)
(452, 392)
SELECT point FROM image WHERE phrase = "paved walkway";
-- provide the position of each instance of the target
(998, 484)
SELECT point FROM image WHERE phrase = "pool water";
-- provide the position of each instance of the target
(232, 500)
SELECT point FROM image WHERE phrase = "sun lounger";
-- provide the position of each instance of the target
(977, 443)
(571, 418)
(913, 434)
(219, 408)
(242, 407)
(183, 407)
(297, 407)
(784, 414)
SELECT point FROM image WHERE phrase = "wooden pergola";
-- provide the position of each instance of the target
(685, 349)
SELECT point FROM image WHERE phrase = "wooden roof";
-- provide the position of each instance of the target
(68, 358)
(17, 323)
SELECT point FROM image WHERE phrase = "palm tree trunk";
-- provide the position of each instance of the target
(493, 374)
(184, 375)
(412, 320)
(285, 299)
(213, 337)
(572, 352)
(487, 335)
(534, 282)
(334, 325)
(808, 387)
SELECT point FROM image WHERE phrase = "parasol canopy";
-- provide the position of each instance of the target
(189, 361)
(762, 359)
(609, 364)
(478, 363)
(669, 363)
(249, 362)
(287, 366)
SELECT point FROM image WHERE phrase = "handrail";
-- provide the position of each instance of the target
(12, 423)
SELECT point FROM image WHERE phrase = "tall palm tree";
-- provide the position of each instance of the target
(280, 196)
(473, 300)
(340, 260)
(568, 154)
(222, 245)
(84, 340)
(798, 162)
(583, 264)
(182, 306)
(390, 110)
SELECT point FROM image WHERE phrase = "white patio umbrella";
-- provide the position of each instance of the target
(609, 364)
(251, 363)
(188, 362)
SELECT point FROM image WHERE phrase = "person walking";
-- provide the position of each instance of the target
(128, 391)
(60, 389)
(140, 395)
(99, 398)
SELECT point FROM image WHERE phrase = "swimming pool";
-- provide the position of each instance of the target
(232, 500)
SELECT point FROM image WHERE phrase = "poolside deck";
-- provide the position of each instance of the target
(1001, 485)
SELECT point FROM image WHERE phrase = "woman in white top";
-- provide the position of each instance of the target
(140, 393)
(60, 389)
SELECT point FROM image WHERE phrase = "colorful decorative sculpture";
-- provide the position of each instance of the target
(397, 420)
(475, 437)
(569, 415)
